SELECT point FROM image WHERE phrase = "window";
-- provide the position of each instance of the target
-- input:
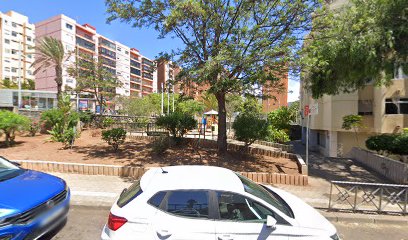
(13, 24)
(157, 199)
(239, 208)
(13, 69)
(7, 69)
(69, 26)
(129, 194)
(13, 51)
(396, 106)
(126, 52)
(14, 34)
(266, 195)
(29, 39)
(365, 107)
(7, 41)
(188, 203)
(119, 49)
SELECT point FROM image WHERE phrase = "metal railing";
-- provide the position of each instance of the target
(368, 197)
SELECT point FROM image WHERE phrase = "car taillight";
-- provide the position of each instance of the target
(115, 222)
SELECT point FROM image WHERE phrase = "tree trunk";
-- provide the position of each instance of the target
(222, 124)
(58, 80)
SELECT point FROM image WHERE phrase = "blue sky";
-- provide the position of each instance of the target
(94, 13)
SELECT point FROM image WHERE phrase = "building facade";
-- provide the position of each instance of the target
(384, 110)
(17, 44)
(275, 98)
(133, 70)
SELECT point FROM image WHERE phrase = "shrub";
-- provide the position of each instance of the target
(177, 123)
(249, 127)
(114, 137)
(65, 135)
(107, 122)
(85, 117)
(51, 117)
(160, 145)
(281, 118)
(277, 136)
(400, 144)
(405, 130)
(11, 122)
(33, 127)
(383, 142)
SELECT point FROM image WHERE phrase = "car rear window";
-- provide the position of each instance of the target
(129, 194)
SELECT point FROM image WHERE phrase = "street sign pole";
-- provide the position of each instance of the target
(307, 140)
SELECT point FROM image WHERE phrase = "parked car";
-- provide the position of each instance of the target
(31, 203)
(202, 202)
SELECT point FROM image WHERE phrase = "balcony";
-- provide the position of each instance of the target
(85, 44)
(108, 62)
(135, 71)
(148, 76)
(106, 43)
(108, 53)
(147, 62)
(134, 64)
(136, 80)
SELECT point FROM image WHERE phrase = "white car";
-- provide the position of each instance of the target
(202, 202)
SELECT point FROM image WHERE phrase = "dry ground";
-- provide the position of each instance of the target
(92, 149)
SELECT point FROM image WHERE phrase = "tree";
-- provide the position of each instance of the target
(11, 122)
(229, 46)
(50, 53)
(177, 123)
(94, 77)
(232, 105)
(281, 118)
(249, 128)
(210, 101)
(353, 122)
(360, 42)
(190, 106)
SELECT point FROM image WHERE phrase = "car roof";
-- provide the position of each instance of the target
(190, 177)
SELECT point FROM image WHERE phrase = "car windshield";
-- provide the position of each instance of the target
(266, 195)
(8, 170)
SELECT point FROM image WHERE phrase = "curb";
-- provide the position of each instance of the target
(364, 218)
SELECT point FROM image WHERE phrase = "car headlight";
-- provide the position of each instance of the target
(335, 237)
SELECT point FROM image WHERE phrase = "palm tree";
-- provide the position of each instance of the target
(50, 53)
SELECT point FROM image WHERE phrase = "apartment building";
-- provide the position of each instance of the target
(133, 70)
(16, 47)
(275, 98)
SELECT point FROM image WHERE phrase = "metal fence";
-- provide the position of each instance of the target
(368, 197)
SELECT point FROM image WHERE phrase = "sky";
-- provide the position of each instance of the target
(94, 13)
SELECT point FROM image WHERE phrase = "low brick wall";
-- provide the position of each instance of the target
(208, 143)
(284, 147)
(137, 172)
(389, 168)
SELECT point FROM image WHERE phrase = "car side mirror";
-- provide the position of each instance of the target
(270, 222)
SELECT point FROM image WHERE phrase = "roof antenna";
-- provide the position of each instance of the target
(163, 171)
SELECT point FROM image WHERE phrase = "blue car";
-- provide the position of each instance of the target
(32, 203)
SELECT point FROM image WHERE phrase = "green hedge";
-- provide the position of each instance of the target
(393, 143)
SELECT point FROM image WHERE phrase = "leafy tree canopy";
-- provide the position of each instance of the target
(355, 43)
(228, 45)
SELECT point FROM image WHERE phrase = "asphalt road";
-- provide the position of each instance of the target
(87, 223)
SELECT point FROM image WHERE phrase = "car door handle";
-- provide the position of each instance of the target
(226, 237)
(163, 234)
